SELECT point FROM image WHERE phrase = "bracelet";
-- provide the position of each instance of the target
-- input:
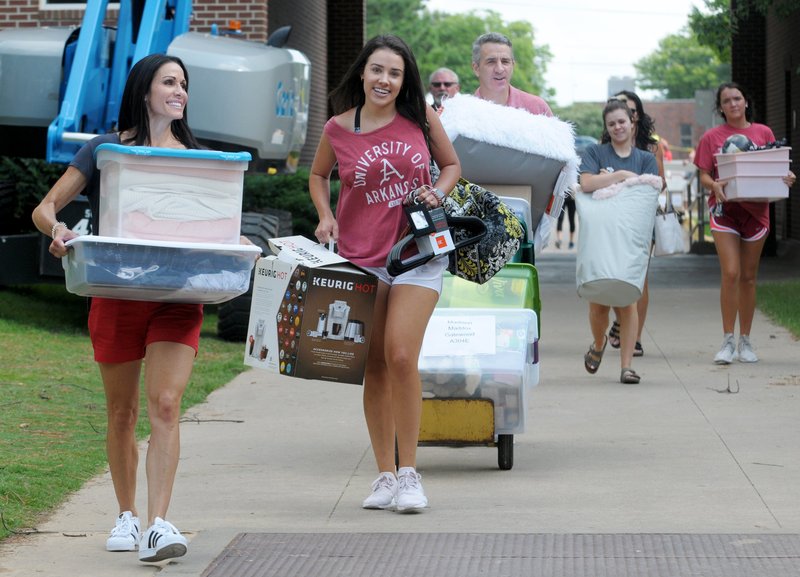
(55, 226)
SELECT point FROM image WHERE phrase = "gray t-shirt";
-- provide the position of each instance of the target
(602, 157)
(84, 161)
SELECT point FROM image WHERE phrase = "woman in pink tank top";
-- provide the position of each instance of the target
(382, 137)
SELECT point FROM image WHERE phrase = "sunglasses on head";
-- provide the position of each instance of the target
(440, 84)
(621, 99)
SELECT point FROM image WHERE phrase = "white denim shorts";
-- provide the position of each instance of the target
(428, 275)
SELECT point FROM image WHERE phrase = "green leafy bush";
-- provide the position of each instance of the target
(23, 183)
(285, 192)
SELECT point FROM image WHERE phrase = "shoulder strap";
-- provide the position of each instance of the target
(357, 121)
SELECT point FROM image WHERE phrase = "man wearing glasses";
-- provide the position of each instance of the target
(443, 84)
(493, 63)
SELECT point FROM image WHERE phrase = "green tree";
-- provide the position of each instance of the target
(782, 8)
(680, 66)
(585, 116)
(442, 39)
(712, 27)
(382, 18)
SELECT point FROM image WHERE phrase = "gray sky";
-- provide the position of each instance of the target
(591, 40)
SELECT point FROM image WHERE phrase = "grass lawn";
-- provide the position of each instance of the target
(781, 303)
(52, 407)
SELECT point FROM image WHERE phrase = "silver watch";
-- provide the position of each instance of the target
(439, 194)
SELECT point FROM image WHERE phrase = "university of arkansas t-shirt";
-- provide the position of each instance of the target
(377, 170)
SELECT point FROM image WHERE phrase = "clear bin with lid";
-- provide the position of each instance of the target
(132, 269)
(170, 194)
(483, 353)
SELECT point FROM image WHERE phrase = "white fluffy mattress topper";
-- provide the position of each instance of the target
(485, 121)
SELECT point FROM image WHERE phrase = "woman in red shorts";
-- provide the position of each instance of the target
(125, 333)
(739, 228)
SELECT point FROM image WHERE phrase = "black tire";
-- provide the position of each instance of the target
(259, 227)
(234, 315)
(505, 451)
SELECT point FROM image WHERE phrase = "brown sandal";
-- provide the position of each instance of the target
(629, 377)
(592, 359)
(613, 335)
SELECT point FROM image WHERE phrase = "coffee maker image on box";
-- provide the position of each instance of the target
(320, 331)
(354, 331)
(338, 313)
(336, 324)
(256, 346)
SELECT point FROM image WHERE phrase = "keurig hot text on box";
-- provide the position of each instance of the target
(311, 314)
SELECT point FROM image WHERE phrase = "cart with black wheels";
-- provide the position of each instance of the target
(459, 422)
(480, 360)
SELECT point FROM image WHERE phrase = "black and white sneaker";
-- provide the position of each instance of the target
(125, 534)
(162, 541)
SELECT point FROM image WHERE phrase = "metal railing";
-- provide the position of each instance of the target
(686, 179)
(697, 206)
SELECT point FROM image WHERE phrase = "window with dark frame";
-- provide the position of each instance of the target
(686, 135)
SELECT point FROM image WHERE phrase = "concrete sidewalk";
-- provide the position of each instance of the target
(694, 449)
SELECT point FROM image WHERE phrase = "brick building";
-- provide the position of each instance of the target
(316, 31)
(765, 59)
(675, 121)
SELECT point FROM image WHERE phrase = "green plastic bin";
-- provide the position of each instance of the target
(516, 285)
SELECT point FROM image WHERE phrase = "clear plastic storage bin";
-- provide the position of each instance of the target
(483, 353)
(144, 270)
(170, 194)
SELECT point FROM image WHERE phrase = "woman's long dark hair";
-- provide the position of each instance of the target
(748, 111)
(645, 126)
(133, 115)
(410, 101)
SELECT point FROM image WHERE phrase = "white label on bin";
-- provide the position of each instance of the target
(459, 336)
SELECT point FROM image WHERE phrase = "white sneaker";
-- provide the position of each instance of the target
(746, 353)
(410, 496)
(162, 541)
(384, 489)
(125, 534)
(727, 353)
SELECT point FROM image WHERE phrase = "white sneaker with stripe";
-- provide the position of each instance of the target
(125, 534)
(162, 541)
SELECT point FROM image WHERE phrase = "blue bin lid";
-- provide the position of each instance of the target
(174, 152)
